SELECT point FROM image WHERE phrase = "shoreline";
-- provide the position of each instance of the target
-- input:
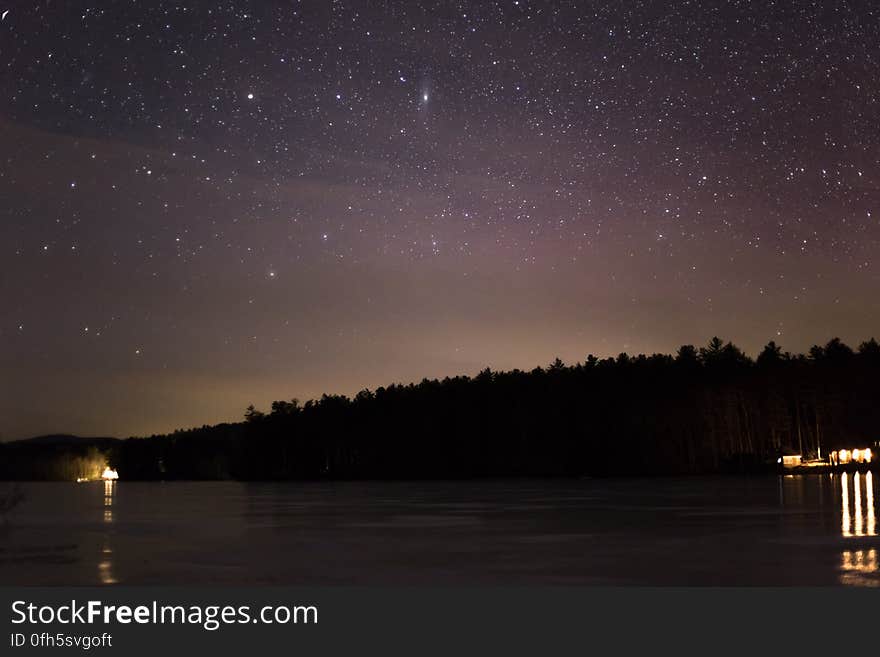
(830, 469)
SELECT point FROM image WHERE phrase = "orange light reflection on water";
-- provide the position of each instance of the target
(858, 567)
(105, 563)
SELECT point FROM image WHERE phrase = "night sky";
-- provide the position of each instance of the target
(210, 204)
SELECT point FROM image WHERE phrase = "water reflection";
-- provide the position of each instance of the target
(105, 562)
(857, 501)
(861, 519)
(858, 567)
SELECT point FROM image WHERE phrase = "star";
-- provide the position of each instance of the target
(606, 161)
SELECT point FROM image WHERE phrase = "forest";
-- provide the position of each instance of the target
(703, 410)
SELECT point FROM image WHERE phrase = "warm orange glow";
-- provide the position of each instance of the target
(858, 455)
(858, 567)
(858, 518)
(857, 504)
(105, 566)
(859, 560)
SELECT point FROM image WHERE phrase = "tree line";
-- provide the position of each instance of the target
(702, 410)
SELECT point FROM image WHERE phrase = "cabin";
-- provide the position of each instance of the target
(790, 458)
(855, 455)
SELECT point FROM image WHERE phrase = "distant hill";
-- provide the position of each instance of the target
(63, 439)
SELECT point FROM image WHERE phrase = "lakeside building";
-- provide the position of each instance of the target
(846, 457)
(854, 455)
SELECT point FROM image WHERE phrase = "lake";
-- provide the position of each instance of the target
(786, 530)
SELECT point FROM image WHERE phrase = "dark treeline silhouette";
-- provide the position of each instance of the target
(704, 410)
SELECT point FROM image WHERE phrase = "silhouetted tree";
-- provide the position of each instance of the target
(770, 355)
(251, 414)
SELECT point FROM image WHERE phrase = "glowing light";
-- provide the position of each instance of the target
(858, 455)
(856, 564)
(857, 503)
(844, 518)
(105, 572)
(105, 565)
(109, 474)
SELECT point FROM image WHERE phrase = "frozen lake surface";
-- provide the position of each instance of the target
(794, 530)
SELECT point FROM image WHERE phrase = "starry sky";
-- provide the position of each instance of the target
(210, 204)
